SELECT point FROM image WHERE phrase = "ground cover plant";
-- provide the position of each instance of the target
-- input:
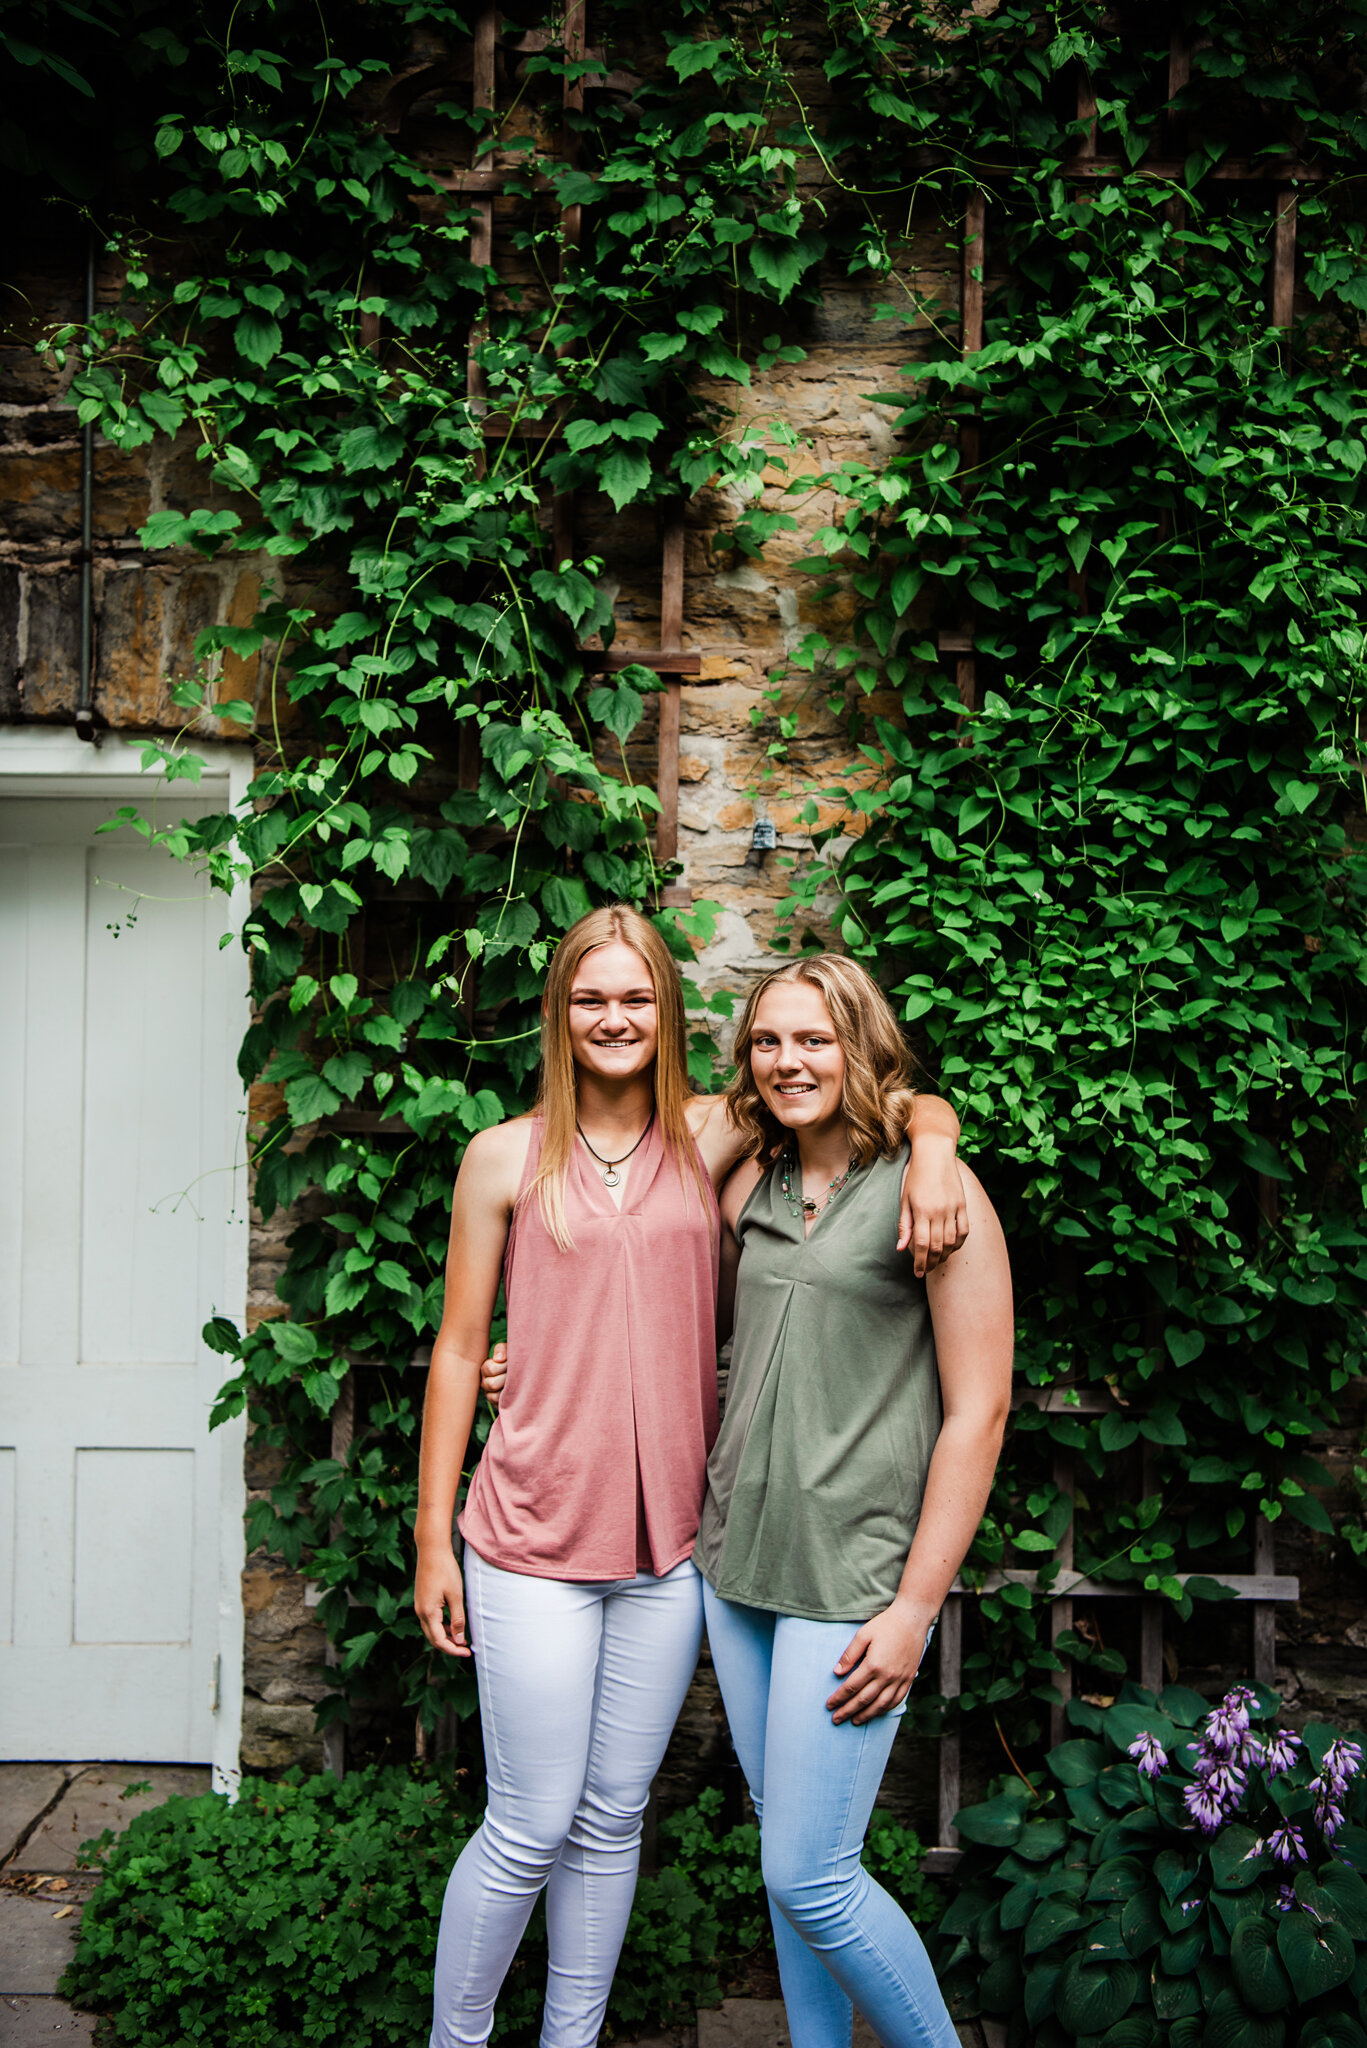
(1121, 898)
(1177, 1874)
(307, 1912)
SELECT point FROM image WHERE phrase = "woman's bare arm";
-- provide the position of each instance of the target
(972, 1316)
(481, 1209)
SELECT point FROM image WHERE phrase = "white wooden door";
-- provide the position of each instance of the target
(121, 1188)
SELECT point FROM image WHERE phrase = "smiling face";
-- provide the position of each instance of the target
(796, 1058)
(614, 1024)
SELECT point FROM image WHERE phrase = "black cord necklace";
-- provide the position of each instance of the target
(611, 1177)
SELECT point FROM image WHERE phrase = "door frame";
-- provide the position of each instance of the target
(40, 761)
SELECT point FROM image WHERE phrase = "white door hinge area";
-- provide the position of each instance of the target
(215, 1672)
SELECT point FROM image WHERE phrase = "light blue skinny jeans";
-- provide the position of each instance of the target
(579, 1688)
(841, 1940)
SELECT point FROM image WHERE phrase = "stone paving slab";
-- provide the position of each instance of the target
(37, 1938)
(763, 2023)
(25, 1789)
(42, 2023)
(93, 1802)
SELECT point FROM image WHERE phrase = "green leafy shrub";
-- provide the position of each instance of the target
(1189, 1878)
(308, 1912)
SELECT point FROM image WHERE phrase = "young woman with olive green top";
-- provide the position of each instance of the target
(863, 1421)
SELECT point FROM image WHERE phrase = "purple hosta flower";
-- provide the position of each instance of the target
(1328, 1812)
(1227, 1728)
(1281, 1753)
(1286, 1898)
(1204, 1807)
(1150, 1755)
(1342, 1762)
(1224, 1781)
(1287, 1846)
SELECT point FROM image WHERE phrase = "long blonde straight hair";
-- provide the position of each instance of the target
(558, 1090)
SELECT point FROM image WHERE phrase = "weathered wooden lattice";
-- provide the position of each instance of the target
(1262, 1588)
(481, 185)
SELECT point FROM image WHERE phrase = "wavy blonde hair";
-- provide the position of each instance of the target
(558, 1088)
(879, 1093)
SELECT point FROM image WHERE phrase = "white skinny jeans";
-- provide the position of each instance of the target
(579, 1689)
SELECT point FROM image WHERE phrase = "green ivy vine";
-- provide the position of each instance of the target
(1124, 895)
(1118, 897)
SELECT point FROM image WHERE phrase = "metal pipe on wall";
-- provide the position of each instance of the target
(85, 712)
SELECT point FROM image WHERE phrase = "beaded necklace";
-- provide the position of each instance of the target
(805, 1205)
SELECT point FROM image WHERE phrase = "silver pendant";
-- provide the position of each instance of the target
(612, 1178)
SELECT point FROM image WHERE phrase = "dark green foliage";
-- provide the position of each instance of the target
(1124, 899)
(308, 1912)
(1134, 1927)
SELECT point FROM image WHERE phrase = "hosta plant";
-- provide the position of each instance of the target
(1180, 1876)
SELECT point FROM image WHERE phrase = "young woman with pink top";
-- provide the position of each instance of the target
(579, 1600)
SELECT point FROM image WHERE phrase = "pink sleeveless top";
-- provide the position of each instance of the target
(596, 1464)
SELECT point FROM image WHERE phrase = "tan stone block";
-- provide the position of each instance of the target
(265, 1102)
(193, 601)
(277, 1612)
(735, 817)
(724, 711)
(274, 1737)
(51, 661)
(262, 1466)
(788, 819)
(40, 494)
(131, 689)
(27, 378)
(120, 496)
(692, 768)
(724, 668)
(258, 1588)
(241, 674)
(743, 763)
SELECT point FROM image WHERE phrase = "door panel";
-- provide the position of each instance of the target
(129, 1587)
(126, 1170)
(144, 1034)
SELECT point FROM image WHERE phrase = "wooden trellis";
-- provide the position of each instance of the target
(481, 185)
(1282, 178)
(1262, 1588)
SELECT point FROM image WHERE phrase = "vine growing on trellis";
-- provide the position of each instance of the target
(1117, 898)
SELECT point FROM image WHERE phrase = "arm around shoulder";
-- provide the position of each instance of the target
(973, 1315)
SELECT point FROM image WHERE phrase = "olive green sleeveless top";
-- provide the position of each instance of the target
(833, 1407)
